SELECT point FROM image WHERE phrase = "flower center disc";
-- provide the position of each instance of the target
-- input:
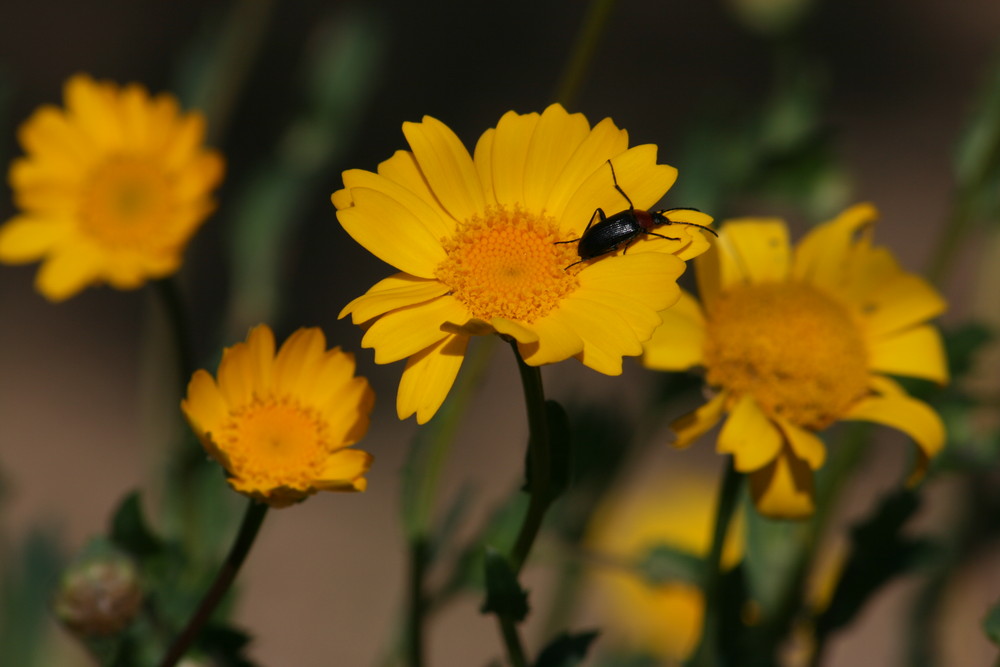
(126, 202)
(273, 443)
(507, 264)
(798, 352)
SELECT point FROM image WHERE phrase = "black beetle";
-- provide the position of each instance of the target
(622, 229)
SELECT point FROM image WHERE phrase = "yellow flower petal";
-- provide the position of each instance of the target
(447, 166)
(820, 257)
(916, 352)
(428, 377)
(25, 239)
(676, 345)
(556, 138)
(519, 332)
(297, 364)
(805, 445)
(639, 177)
(784, 489)
(344, 471)
(752, 250)
(900, 303)
(404, 332)
(398, 291)
(204, 405)
(604, 141)
(510, 152)
(67, 271)
(894, 407)
(692, 426)
(391, 232)
(556, 341)
(425, 212)
(606, 336)
(752, 438)
(483, 159)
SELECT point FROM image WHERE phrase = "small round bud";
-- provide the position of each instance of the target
(99, 594)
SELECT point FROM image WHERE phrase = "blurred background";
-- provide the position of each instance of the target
(296, 92)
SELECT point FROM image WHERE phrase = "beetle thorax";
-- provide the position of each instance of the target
(645, 219)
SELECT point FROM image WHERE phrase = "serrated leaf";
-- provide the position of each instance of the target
(504, 595)
(566, 650)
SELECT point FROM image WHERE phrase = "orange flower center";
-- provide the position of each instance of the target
(797, 351)
(507, 264)
(273, 443)
(127, 202)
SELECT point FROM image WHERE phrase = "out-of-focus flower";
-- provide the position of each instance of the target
(794, 341)
(281, 424)
(661, 619)
(110, 190)
(475, 241)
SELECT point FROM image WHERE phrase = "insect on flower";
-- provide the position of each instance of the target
(624, 228)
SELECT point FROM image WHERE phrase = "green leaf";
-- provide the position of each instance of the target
(504, 595)
(130, 531)
(27, 580)
(566, 650)
(662, 563)
(991, 624)
(880, 552)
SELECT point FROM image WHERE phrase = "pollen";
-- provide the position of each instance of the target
(507, 264)
(274, 443)
(126, 202)
(796, 350)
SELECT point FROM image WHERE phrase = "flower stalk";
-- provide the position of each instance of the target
(252, 520)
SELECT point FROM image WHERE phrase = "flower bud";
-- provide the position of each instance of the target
(99, 594)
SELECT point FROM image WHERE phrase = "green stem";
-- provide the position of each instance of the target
(706, 655)
(950, 240)
(180, 329)
(512, 640)
(587, 41)
(252, 521)
(539, 461)
(418, 603)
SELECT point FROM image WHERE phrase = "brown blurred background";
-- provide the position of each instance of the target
(322, 586)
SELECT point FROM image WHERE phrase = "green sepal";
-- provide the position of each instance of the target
(504, 595)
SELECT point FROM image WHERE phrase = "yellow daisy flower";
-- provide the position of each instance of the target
(111, 188)
(475, 241)
(281, 424)
(795, 340)
(664, 620)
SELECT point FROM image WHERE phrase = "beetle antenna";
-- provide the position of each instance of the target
(663, 214)
(614, 178)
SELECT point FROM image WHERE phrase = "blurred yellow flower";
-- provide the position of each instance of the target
(795, 340)
(281, 424)
(111, 188)
(475, 240)
(663, 620)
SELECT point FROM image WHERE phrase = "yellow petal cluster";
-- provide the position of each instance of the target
(794, 340)
(281, 424)
(110, 188)
(476, 240)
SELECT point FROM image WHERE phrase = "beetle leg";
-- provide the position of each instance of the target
(614, 177)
